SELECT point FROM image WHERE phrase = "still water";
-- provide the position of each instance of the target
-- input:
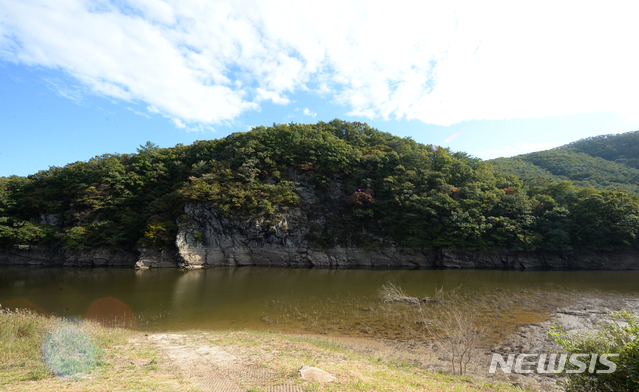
(239, 298)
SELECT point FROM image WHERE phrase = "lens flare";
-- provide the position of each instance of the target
(111, 312)
(68, 350)
(452, 137)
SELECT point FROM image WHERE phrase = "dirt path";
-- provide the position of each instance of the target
(251, 361)
(211, 367)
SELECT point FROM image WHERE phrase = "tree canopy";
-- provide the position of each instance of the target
(405, 193)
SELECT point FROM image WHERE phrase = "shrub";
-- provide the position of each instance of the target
(76, 236)
(619, 335)
(159, 234)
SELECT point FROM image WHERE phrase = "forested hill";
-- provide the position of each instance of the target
(603, 162)
(622, 148)
(362, 180)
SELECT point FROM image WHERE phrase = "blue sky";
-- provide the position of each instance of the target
(80, 78)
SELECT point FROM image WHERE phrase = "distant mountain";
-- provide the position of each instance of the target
(604, 162)
(622, 148)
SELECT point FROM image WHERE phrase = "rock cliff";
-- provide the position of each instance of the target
(288, 238)
(41, 256)
(241, 254)
(210, 239)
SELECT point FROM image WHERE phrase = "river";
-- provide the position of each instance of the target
(255, 297)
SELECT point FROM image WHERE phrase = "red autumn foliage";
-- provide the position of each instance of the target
(361, 199)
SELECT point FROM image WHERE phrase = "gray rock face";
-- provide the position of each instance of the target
(156, 258)
(54, 220)
(540, 259)
(239, 253)
(39, 256)
(210, 239)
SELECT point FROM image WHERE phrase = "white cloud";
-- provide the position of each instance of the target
(309, 113)
(521, 148)
(153, 109)
(139, 113)
(179, 123)
(441, 63)
(60, 87)
(199, 128)
(267, 95)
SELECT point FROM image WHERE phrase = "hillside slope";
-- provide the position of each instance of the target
(327, 185)
(603, 162)
(621, 148)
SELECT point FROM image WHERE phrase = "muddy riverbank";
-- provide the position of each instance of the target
(580, 316)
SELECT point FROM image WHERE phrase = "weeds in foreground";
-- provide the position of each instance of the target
(20, 344)
(48, 353)
(34, 347)
(283, 355)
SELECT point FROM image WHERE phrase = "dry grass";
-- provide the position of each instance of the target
(127, 360)
(458, 334)
(390, 293)
(283, 355)
(49, 353)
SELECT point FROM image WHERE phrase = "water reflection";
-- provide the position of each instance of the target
(221, 298)
(111, 312)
